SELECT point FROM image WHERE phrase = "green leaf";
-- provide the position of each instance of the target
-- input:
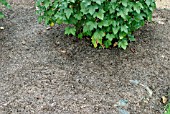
(98, 1)
(97, 37)
(122, 35)
(99, 14)
(91, 25)
(92, 9)
(78, 16)
(148, 2)
(123, 44)
(80, 35)
(46, 3)
(107, 43)
(123, 13)
(131, 38)
(73, 1)
(68, 12)
(110, 37)
(104, 23)
(94, 42)
(124, 3)
(139, 17)
(115, 29)
(85, 29)
(70, 30)
(137, 7)
(113, 8)
(124, 28)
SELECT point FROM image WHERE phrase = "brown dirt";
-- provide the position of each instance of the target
(45, 72)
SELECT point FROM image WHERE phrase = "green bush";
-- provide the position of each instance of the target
(106, 22)
(5, 3)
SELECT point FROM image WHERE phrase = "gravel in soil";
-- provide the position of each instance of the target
(45, 72)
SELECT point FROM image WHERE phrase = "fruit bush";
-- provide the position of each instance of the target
(5, 3)
(106, 22)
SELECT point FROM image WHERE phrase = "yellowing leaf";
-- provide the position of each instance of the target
(51, 24)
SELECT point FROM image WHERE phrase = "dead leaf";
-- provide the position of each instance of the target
(115, 44)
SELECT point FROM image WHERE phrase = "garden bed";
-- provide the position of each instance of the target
(44, 71)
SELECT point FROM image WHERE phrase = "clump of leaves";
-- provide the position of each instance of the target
(106, 22)
(167, 109)
(5, 3)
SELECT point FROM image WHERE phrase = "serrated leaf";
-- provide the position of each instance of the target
(78, 16)
(91, 25)
(85, 29)
(92, 9)
(122, 35)
(131, 38)
(123, 44)
(148, 2)
(137, 7)
(97, 38)
(107, 43)
(46, 3)
(104, 23)
(68, 12)
(110, 37)
(100, 14)
(123, 13)
(70, 30)
(115, 30)
(124, 3)
(98, 1)
(124, 28)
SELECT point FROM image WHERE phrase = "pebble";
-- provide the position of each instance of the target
(23, 42)
(1, 28)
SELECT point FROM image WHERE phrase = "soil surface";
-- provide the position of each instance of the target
(45, 72)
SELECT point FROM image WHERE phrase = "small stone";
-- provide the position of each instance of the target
(1, 28)
(163, 56)
(48, 28)
(63, 51)
(57, 42)
(23, 42)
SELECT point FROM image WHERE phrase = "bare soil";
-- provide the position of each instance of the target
(45, 72)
